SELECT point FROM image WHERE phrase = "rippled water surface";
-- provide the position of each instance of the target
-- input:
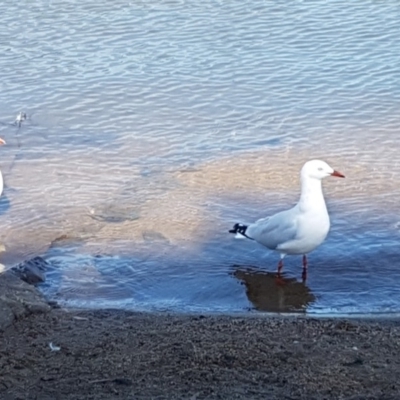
(154, 126)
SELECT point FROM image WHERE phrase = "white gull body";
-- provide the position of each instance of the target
(302, 228)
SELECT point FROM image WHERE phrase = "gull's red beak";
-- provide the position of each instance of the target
(337, 173)
(2, 141)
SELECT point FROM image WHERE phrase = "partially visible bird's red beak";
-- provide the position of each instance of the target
(2, 141)
(337, 173)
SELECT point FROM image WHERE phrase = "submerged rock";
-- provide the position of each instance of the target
(153, 236)
(114, 215)
(32, 271)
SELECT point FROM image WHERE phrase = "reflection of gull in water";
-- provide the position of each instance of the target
(300, 229)
(266, 295)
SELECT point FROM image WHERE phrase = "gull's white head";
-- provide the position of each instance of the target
(318, 169)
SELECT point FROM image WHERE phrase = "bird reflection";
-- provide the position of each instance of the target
(267, 292)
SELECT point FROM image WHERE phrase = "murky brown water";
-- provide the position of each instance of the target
(153, 128)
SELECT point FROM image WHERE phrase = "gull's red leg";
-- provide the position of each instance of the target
(279, 281)
(280, 267)
(305, 265)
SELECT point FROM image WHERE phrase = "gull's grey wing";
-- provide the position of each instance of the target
(274, 231)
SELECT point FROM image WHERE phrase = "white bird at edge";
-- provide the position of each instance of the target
(301, 229)
(20, 117)
(2, 141)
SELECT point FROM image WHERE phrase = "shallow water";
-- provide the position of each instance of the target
(154, 127)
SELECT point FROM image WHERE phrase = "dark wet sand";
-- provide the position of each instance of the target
(121, 355)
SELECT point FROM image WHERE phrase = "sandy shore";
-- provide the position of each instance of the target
(121, 355)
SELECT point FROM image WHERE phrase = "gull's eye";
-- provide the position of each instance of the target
(320, 169)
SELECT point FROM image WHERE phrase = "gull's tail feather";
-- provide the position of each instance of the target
(240, 231)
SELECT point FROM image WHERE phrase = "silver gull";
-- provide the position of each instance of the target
(301, 229)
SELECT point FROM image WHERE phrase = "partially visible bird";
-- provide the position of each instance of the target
(2, 141)
(301, 229)
(20, 117)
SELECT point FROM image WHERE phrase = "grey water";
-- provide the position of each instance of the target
(152, 127)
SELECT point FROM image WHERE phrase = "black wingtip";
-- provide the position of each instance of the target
(239, 228)
(235, 228)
